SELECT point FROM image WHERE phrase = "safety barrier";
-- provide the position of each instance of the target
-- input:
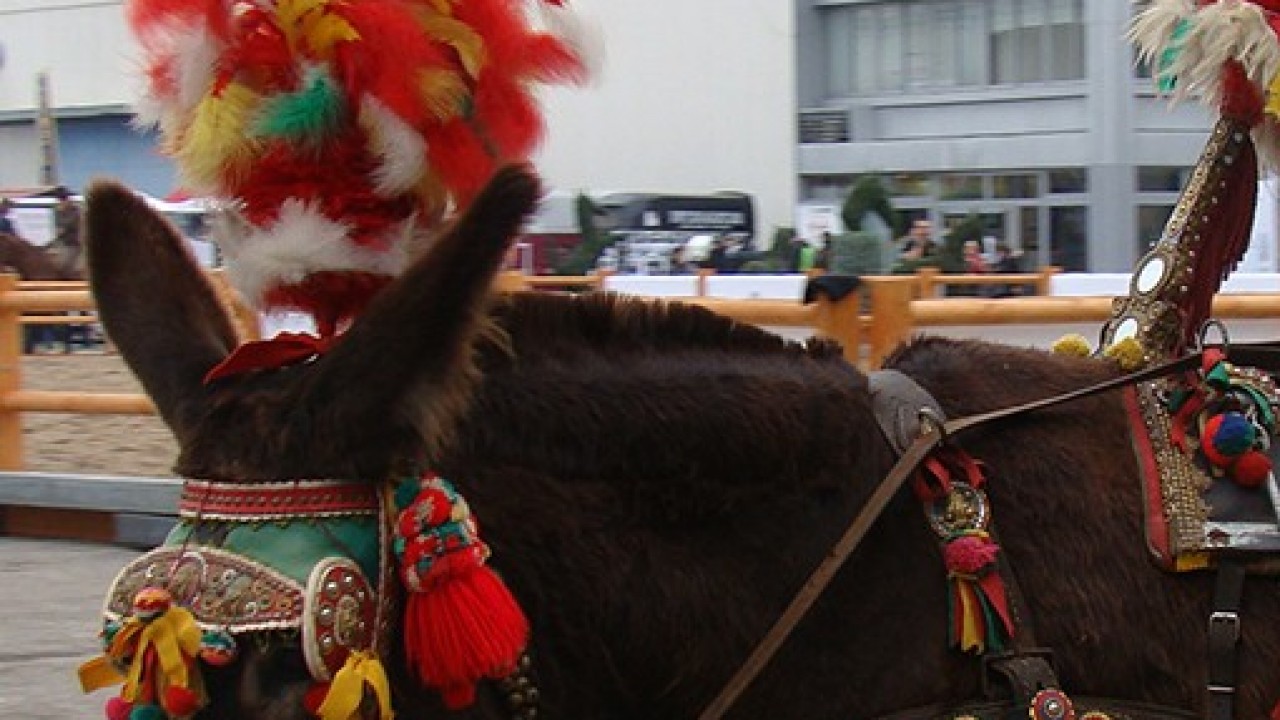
(896, 312)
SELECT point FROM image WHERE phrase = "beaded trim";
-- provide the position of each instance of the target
(265, 501)
(222, 590)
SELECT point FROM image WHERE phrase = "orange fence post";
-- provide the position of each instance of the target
(10, 376)
(927, 279)
(840, 320)
(1044, 285)
(701, 287)
(891, 318)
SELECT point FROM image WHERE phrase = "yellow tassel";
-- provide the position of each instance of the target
(218, 139)
(290, 14)
(972, 633)
(1072, 345)
(347, 690)
(175, 638)
(98, 673)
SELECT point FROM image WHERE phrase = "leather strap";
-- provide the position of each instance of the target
(931, 436)
(1224, 635)
(1003, 710)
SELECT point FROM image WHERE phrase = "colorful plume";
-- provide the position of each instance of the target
(344, 131)
(1190, 45)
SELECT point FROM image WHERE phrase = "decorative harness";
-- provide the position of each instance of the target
(913, 425)
(323, 563)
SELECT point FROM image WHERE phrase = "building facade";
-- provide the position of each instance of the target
(1029, 113)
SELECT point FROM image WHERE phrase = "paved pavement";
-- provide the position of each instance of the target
(51, 595)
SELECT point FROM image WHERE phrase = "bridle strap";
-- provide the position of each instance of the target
(931, 436)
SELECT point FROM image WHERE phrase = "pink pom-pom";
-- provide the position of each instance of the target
(969, 554)
(181, 702)
(118, 708)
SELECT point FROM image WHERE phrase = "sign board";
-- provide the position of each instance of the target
(813, 219)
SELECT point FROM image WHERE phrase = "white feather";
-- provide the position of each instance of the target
(583, 35)
(198, 52)
(401, 151)
(303, 241)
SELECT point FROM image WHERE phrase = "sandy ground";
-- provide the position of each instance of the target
(92, 444)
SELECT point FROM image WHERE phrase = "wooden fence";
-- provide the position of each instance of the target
(896, 307)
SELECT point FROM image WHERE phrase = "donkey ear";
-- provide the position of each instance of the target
(154, 300)
(411, 349)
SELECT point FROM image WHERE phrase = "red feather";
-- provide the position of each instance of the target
(387, 62)
(461, 160)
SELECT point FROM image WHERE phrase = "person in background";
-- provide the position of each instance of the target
(66, 231)
(917, 242)
(6, 223)
(974, 264)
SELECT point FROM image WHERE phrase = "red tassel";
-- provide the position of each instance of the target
(466, 628)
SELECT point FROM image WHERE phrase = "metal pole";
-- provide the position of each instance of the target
(47, 129)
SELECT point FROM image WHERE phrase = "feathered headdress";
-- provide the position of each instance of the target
(343, 130)
(1225, 53)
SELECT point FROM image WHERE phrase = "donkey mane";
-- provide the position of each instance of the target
(556, 324)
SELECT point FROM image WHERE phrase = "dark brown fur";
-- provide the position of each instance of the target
(657, 481)
(30, 262)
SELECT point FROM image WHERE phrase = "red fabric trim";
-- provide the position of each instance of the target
(280, 351)
(275, 500)
(1157, 530)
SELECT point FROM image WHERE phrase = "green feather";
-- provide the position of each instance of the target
(308, 115)
(1165, 78)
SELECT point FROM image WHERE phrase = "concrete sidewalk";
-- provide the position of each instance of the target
(51, 595)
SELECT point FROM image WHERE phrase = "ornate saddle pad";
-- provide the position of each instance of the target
(1192, 508)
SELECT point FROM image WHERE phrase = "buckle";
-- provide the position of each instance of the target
(1224, 628)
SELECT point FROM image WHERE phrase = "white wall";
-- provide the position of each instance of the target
(692, 96)
(84, 47)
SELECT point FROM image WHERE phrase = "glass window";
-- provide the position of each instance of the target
(865, 30)
(1162, 179)
(1151, 222)
(909, 184)
(892, 52)
(1068, 180)
(1036, 40)
(1016, 186)
(1029, 236)
(961, 187)
(1068, 233)
(1003, 53)
(841, 63)
(919, 46)
(972, 64)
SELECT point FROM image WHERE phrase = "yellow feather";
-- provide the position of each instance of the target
(459, 35)
(442, 91)
(322, 31)
(289, 15)
(442, 6)
(1273, 97)
(217, 143)
(433, 198)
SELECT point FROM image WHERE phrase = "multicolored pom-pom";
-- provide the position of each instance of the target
(1251, 469)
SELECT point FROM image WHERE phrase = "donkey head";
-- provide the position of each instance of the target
(384, 397)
